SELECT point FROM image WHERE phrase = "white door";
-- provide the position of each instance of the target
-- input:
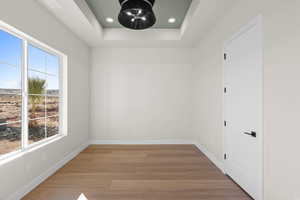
(243, 132)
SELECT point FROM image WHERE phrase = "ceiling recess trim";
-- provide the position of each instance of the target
(201, 17)
(78, 16)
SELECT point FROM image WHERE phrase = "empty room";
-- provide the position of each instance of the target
(149, 100)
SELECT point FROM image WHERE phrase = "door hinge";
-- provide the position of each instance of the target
(225, 123)
(225, 56)
(225, 156)
(225, 90)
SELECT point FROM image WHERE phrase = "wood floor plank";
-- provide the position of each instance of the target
(139, 172)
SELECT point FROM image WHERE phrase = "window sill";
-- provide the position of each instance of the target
(17, 154)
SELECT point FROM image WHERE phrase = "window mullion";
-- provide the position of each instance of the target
(46, 115)
(25, 95)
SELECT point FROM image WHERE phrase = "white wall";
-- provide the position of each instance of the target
(281, 90)
(34, 20)
(141, 94)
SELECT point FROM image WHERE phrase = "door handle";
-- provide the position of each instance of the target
(252, 133)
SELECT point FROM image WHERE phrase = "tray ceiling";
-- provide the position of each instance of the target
(164, 10)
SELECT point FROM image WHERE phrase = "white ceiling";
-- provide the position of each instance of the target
(201, 17)
(163, 9)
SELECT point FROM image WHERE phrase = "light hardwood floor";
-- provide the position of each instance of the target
(139, 172)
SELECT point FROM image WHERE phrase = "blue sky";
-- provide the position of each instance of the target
(41, 64)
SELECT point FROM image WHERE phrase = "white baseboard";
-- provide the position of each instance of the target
(141, 142)
(211, 157)
(38, 180)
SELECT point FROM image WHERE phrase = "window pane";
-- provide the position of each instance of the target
(36, 130)
(52, 126)
(10, 138)
(36, 83)
(52, 64)
(10, 62)
(10, 108)
(10, 79)
(10, 49)
(52, 106)
(43, 80)
(36, 106)
(36, 59)
(52, 85)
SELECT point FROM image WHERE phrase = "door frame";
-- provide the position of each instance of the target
(257, 21)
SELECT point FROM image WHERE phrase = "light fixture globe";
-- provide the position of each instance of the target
(137, 14)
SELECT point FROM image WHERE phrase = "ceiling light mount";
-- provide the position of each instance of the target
(137, 14)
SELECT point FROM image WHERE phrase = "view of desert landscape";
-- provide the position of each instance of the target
(42, 94)
(42, 115)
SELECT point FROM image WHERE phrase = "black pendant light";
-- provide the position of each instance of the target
(137, 14)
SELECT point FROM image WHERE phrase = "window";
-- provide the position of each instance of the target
(31, 92)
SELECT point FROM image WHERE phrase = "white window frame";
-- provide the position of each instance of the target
(63, 93)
